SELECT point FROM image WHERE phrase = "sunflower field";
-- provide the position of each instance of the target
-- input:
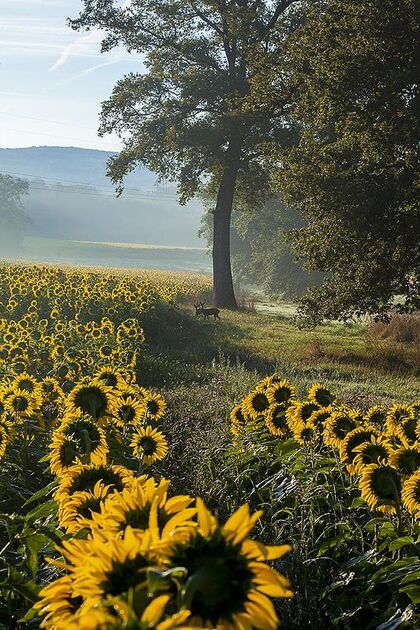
(93, 534)
(90, 532)
(343, 487)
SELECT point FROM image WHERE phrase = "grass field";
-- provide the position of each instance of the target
(122, 255)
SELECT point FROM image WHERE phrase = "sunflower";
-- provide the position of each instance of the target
(320, 416)
(406, 459)
(92, 399)
(406, 431)
(84, 429)
(304, 410)
(114, 567)
(77, 509)
(276, 420)
(320, 395)
(51, 390)
(109, 377)
(376, 415)
(26, 383)
(67, 450)
(377, 450)
(237, 417)
(280, 392)
(20, 404)
(84, 477)
(337, 426)
(306, 433)
(395, 416)
(354, 438)
(154, 406)
(149, 445)
(58, 605)
(256, 404)
(142, 506)
(411, 493)
(128, 412)
(229, 584)
(380, 486)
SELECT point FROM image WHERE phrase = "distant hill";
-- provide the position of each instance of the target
(69, 164)
(72, 199)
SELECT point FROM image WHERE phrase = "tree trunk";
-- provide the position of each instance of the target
(224, 295)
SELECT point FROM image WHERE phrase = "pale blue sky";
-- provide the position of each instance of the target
(53, 79)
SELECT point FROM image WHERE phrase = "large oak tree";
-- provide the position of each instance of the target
(189, 117)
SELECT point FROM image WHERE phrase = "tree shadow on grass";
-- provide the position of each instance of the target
(183, 348)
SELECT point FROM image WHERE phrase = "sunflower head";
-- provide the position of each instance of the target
(380, 486)
(276, 420)
(154, 406)
(354, 438)
(76, 511)
(306, 433)
(91, 399)
(376, 415)
(396, 415)
(280, 392)
(337, 426)
(411, 493)
(256, 403)
(407, 431)
(227, 576)
(377, 450)
(149, 445)
(58, 604)
(320, 395)
(84, 477)
(406, 460)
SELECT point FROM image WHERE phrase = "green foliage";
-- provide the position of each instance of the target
(354, 69)
(12, 218)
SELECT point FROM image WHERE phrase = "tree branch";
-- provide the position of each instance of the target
(280, 8)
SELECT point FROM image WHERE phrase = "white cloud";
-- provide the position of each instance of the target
(85, 44)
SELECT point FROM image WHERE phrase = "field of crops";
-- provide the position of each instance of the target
(94, 537)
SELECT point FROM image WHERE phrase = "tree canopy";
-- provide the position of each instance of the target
(355, 70)
(12, 217)
(188, 117)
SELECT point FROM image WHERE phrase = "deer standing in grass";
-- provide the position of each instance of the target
(206, 312)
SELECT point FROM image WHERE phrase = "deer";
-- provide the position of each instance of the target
(206, 312)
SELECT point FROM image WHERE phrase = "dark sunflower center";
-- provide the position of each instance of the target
(139, 518)
(323, 397)
(87, 434)
(152, 407)
(68, 453)
(282, 394)
(307, 410)
(26, 385)
(109, 379)
(343, 425)
(279, 419)
(408, 462)
(354, 441)
(88, 478)
(91, 400)
(260, 402)
(124, 575)
(409, 428)
(386, 484)
(20, 403)
(148, 445)
(127, 413)
(307, 433)
(373, 454)
(239, 416)
(93, 504)
(219, 578)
